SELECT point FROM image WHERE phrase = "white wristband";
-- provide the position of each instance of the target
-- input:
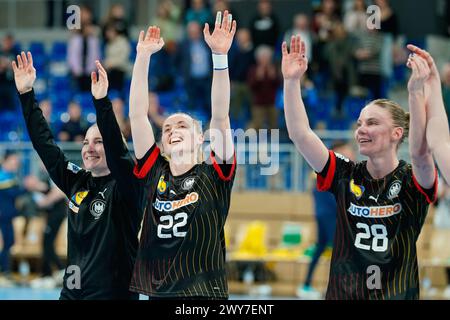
(220, 61)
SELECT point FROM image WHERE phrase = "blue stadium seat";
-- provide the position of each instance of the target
(37, 48)
(58, 51)
(352, 107)
(85, 101)
(133, 44)
(59, 84)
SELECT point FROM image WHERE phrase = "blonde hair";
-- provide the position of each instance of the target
(399, 116)
(198, 129)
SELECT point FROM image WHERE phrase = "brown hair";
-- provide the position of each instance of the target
(399, 116)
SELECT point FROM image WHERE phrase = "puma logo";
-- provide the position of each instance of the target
(103, 193)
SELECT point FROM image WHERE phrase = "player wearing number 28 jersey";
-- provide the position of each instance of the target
(378, 223)
(382, 202)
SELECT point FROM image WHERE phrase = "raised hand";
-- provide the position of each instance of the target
(434, 78)
(99, 87)
(222, 37)
(295, 63)
(24, 72)
(420, 73)
(151, 43)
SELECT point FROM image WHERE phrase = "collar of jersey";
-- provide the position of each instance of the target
(367, 175)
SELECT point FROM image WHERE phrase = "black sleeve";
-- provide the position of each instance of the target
(62, 172)
(119, 160)
(337, 167)
(147, 168)
(226, 170)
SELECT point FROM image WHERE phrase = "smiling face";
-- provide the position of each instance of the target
(93, 152)
(376, 132)
(180, 134)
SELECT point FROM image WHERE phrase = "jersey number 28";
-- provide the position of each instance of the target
(171, 229)
(379, 233)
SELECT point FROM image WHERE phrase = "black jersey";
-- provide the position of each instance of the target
(378, 223)
(104, 212)
(182, 245)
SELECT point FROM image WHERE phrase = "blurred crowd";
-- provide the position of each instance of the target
(349, 63)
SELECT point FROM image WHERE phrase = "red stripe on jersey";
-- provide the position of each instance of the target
(423, 192)
(142, 173)
(323, 184)
(219, 170)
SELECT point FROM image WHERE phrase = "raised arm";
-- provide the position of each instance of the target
(437, 131)
(119, 159)
(220, 42)
(293, 66)
(60, 170)
(421, 158)
(141, 129)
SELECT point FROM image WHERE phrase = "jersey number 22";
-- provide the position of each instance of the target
(171, 229)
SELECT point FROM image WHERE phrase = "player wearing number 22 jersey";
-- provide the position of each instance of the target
(182, 247)
(378, 223)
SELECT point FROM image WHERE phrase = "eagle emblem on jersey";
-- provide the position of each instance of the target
(162, 185)
(97, 207)
(188, 183)
(357, 190)
(394, 189)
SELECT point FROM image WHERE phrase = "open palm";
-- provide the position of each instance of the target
(24, 72)
(99, 87)
(151, 42)
(434, 78)
(222, 37)
(294, 63)
(420, 73)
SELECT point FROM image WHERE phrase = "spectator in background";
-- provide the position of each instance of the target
(339, 54)
(325, 19)
(155, 113)
(264, 27)
(162, 72)
(168, 19)
(368, 56)
(323, 24)
(301, 26)
(8, 52)
(123, 121)
(194, 61)
(10, 189)
(117, 53)
(75, 128)
(356, 18)
(116, 17)
(263, 80)
(389, 20)
(198, 12)
(241, 58)
(325, 210)
(221, 5)
(52, 201)
(47, 112)
(82, 51)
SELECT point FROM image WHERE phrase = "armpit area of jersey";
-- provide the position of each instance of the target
(431, 193)
(225, 169)
(144, 164)
(325, 177)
